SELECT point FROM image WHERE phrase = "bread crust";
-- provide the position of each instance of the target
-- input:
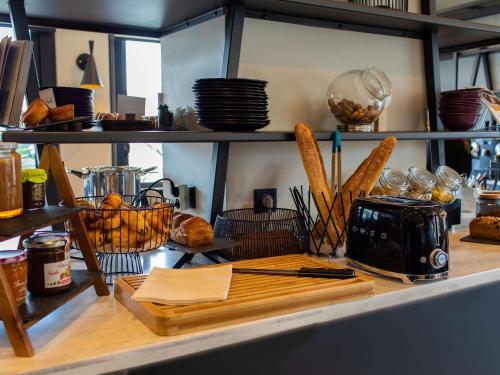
(36, 113)
(485, 227)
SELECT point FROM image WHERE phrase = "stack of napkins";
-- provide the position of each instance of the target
(185, 286)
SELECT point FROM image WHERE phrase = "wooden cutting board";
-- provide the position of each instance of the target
(251, 297)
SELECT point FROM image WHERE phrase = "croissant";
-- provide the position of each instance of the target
(124, 238)
(86, 204)
(111, 222)
(96, 237)
(110, 202)
(134, 220)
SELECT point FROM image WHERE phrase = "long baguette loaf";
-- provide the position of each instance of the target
(316, 174)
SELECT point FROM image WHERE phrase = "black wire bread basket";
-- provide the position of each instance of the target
(271, 233)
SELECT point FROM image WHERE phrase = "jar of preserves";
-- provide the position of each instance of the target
(448, 184)
(11, 191)
(392, 182)
(34, 188)
(15, 268)
(488, 204)
(48, 263)
(420, 184)
(357, 98)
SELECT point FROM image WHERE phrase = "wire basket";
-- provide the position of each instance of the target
(274, 232)
(392, 4)
(139, 225)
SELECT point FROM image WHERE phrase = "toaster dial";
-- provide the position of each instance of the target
(438, 258)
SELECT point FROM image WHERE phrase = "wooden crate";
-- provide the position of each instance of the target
(250, 297)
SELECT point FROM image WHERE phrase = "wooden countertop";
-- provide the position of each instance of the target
(97, 334)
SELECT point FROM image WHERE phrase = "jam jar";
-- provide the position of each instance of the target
(15, 268)
(420, 184)
(11, 191)
(448, 184)
(392, 182)
(34, 188)
(488, 204)
(48, 263)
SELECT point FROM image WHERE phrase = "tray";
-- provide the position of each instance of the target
(218, 244)
(479, 240)
(76, 125)
(126, 125)
(251, 297)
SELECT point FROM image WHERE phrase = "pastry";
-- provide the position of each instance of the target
(36, 113)
(124, 238)
(193, 232)
(316, 174)
(485, 227)
(179, 217)
(96, 237)
(110, 202)
(134, 221)
(62, 113)
(111, 222)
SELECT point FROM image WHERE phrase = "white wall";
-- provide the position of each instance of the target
(299, 62)
(70, 44)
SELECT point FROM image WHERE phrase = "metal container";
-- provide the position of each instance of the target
(100, 181)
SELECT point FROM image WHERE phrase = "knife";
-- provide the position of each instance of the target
(329, 273)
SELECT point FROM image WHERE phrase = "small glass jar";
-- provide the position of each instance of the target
(420, 184)
(488, 204)
(48, 263)
(34, 188)
(392, 182)
(357, 98)
(11, 191)
(15, 268)
(448, 184)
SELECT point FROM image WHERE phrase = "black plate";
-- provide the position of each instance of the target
(232, 96)
(226, 91)
(236, 101)
(210, 124)
(231, 116)
(231, 80)
(234, 127)
(233, 113)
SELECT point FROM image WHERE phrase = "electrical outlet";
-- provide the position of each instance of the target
(265, 199)
(187, 197)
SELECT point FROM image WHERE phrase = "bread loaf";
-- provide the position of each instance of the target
(193, 232)
(485, 227)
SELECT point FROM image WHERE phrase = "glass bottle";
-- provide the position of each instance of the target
(11, 188)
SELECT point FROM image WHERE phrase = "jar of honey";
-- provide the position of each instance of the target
(15, 268)
(48, 263)
(11, 190)
(34, 188)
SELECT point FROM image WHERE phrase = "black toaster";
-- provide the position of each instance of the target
(398, 237)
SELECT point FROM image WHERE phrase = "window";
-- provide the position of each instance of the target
(142, 68)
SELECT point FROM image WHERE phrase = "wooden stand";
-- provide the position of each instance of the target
(16, 320)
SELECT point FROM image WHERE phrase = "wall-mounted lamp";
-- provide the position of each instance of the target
(86, 62)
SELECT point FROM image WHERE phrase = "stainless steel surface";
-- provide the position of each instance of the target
(100, 181)
(406, 279)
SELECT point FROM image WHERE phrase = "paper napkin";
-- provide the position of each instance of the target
(185, 286)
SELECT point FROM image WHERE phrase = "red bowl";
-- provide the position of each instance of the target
(459, 121)
(461, 109)
(464, 92)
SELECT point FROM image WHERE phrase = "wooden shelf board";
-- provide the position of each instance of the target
(38, 307)
(30, 221)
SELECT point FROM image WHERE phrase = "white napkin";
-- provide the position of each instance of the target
(185, 286)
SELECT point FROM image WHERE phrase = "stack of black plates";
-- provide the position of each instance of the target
(234, 104)
(82, 99)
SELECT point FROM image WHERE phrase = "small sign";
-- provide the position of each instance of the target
(48, 97)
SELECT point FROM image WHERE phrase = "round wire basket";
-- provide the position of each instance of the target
(138, 225)
(275, 232)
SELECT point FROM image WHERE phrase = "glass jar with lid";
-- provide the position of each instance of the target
(392, 182)
(357, 98)
(420, 184)
(34, 188)
(448, 184)
(488, 204)
(11, 188)
(15, 267)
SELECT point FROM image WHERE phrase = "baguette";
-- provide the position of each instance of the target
(316, 174)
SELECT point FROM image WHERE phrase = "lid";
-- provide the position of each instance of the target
(377, 82)
(12, 256)
(493, 195)
(392, 178)
(7, 146)
(45, 241)
(37, 176)
(448, 177)
(421, 177)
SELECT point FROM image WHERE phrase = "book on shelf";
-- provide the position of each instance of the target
(15, 61)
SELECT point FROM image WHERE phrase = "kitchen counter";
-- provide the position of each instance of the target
(95, 335)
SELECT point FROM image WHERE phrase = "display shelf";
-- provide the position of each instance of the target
(30, 221)
(37, 307)
(159, 17)
(208, 136)
(472, 10)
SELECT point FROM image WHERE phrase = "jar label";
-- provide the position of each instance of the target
(37, 192)
(57, 274)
